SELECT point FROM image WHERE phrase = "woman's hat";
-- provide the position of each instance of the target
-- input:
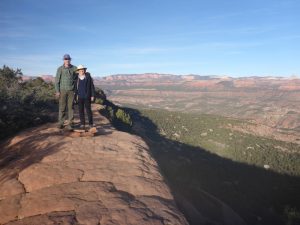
(81, 67)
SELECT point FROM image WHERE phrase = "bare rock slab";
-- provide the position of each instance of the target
(109, 178)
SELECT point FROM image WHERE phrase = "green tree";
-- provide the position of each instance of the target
(23, 103)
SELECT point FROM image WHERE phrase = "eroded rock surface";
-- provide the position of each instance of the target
(50, 178)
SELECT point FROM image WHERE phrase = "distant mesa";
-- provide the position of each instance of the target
(191, 80)
(47, 78)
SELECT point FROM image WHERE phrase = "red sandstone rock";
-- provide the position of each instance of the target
(111, 178)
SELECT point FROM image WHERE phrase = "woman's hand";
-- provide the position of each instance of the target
(92, 99)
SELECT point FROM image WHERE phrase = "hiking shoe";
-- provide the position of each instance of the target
(90, 126)
(69, 128)
(60, 126)
(82, 126)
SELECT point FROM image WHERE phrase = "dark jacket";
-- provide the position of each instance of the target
(90, 88)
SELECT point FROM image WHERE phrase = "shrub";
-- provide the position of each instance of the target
(292, 215)
(124, 117)
(99, 101)
(100, 96)
(23, 104)
(116, 115)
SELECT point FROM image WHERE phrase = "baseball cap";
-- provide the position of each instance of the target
(66, 56)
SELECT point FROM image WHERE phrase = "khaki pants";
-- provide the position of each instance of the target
(66, 99)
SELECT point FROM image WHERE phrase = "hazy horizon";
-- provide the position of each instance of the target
(211, 75)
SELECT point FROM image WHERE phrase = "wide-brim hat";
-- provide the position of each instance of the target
(81, 67)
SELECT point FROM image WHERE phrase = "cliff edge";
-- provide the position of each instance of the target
(50, 178)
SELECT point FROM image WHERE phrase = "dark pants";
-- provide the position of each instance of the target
(85, 103)
(66, 102)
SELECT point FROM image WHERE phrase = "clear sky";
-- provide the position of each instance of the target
(206, 37)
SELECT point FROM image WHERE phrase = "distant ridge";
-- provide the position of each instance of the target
(190, 82)
(50, 78)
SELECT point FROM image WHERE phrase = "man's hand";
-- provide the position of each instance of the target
(92, 99)
(57, 94)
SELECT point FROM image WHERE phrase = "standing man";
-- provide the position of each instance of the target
(64, 86)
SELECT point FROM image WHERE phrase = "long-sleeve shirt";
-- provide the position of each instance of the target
(65, 78)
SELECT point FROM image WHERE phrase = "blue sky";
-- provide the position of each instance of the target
(206, 37)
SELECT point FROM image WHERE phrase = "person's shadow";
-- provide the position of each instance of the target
(210, 189)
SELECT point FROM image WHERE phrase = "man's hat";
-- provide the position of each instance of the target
(81, 67)
(66, 56)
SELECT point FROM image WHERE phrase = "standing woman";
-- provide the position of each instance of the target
(85, 92)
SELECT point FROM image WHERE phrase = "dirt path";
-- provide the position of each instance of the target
(48, 178)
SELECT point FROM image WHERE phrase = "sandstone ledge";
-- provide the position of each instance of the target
(50, 178)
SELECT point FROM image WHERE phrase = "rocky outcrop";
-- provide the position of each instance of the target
(47, 177)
